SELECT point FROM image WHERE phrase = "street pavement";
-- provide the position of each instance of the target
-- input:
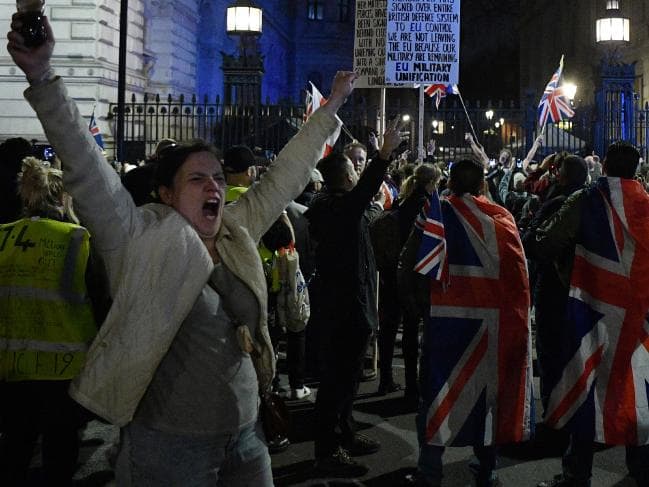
(386, 419)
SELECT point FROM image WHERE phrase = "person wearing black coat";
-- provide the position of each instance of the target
(416, 190)
(346, 283)
(551, 288)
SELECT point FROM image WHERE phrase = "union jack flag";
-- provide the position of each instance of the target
(476, 361)
(603, 392)
(391, 194)
(554, 102)
(315, 100)
(431, 259)
(94, 130)
(439, 91)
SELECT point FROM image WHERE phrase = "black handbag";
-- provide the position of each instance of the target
(275, 416)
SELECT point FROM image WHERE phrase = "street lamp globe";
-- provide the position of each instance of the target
(489, 114)
(406, 118)
(613, 27)
(570, 90)
(244, 18)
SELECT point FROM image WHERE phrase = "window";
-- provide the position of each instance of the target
(612, 5)
(315, 9)
(343, 10)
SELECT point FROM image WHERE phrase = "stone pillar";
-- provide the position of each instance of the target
(170, 46)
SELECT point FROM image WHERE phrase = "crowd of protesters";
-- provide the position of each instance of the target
(160, 302)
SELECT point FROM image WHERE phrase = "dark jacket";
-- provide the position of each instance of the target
(346, 270)
(409, 208)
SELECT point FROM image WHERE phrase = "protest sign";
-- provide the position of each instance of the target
(369, 43)
(422, 42)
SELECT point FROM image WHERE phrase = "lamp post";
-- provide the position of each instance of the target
(570, 90)
(242, 74)
(615, 94)
(613, 27)
(121, 80)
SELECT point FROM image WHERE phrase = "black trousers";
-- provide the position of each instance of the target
(33, 408)
(410, 347)
(343, 346)
(389, 319)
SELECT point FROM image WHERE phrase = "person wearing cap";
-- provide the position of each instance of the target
(184, 353)
(239, 166)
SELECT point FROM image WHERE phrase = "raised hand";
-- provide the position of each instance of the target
(341, 88)
(391, 138)
(373, 141)
(33, 61)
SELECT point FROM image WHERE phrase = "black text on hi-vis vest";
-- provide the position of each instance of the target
(46, 321)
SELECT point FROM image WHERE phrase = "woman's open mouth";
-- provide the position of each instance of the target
(211, 209)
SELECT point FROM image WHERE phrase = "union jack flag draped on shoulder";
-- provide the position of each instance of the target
(554, 103)
(603, 392)
(431, 259)
(476, 360)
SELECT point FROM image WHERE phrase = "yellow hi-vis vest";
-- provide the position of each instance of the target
(46, 321)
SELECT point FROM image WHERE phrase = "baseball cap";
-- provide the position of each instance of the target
(238, 158)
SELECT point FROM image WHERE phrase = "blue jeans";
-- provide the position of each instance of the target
(429, 463)
(153, 458)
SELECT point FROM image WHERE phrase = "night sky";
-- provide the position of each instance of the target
(489, 50)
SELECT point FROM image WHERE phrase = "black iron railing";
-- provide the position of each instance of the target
(498, 126)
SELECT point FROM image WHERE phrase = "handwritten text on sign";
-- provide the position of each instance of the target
(423, 41)
(369, 44)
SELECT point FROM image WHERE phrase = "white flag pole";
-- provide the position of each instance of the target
(380, 122)
(420, 132)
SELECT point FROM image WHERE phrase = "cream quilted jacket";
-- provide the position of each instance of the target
(155, 261)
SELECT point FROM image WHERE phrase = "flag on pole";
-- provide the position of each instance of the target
(554, 103)
(315, 100)
(94, 130)
(440, 91)
(431, 258)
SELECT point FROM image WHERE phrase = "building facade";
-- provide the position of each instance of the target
(550, 28)
(176, 48)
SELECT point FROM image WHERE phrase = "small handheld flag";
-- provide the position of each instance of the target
(94, 130)
(440, 91)
(554, 103)
(315, 100)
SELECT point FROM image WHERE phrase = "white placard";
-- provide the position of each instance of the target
(369, 43)
(423, 42)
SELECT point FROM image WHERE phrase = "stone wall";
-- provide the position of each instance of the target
(174, 47)
(86, 55)
(550, 28)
